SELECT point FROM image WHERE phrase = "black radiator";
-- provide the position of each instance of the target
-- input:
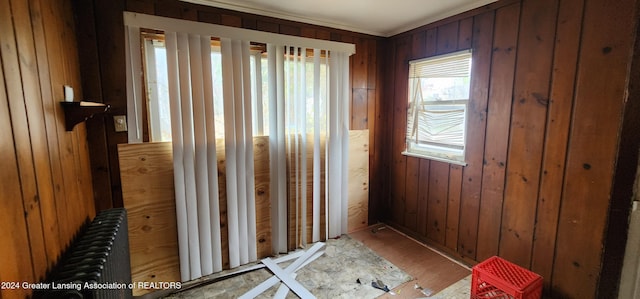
(97, 265)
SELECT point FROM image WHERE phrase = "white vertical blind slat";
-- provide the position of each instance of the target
(176, 132)
(212, 160)
(249, 176)
(230, 152)
(338, 143)
(239, 154)
(188, 154)
(344, 130)
(273, 149)
(281, 150)
(303, 135)
(334, 151)
(316, 146)
(201, 174)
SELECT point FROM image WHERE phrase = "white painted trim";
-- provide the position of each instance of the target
(286, 278)
(439, 159)
(290, 269)
(177, 25)
(283, 290)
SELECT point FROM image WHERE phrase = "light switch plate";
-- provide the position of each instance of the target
(120, 123)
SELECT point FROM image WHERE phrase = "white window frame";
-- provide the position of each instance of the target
(449, 152)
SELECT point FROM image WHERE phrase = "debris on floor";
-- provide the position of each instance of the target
(426, 292)
(378, 228)
(287, 276)
(378, 284)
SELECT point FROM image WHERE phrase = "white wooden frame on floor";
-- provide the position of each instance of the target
(287, 276)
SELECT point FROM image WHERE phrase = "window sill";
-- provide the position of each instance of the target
(439, 159)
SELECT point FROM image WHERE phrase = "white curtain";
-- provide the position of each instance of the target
(307, 88)
(194, 154)
(308, 102)
(241, 212)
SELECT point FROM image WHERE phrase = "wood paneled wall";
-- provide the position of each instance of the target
(547, 143)
(101, 36)
(548, 92)
(45, 178)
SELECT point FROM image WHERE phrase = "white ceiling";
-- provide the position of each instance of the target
(376, 17)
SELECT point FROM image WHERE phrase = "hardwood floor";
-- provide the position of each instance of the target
(430, 269)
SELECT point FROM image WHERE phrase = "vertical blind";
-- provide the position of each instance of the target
(305, 79)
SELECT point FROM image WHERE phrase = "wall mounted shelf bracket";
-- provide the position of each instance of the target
(77, 112)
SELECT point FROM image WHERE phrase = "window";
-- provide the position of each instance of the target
(157, 87)
(438, 99)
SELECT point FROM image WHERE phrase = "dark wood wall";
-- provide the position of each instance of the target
(101, 36)
(548, 92)
(45, 178)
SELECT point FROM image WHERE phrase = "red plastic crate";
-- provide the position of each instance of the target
(498, 278)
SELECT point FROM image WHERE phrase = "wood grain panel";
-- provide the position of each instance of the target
(476, 124)
(542, 52)
(423, 197)
(52, 24)
(80, 149)
(531, 99)
(377, 128)
(416, 205)
(358, 186)
(92, 90)
(20, 124)
(359, 109)
(437, 201)
(453, 207)
(15, 246)
(497, 137)
(42, 172)
(399, 161)
(109, 38)
(465, 33)
(373, 64)
(601, 76)
(557, 132)
(147, 176)
(360, 68)
(58, 225)
(431, 47)
(447, 40)
(222, 196)
(412, 187)
(262, 196)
